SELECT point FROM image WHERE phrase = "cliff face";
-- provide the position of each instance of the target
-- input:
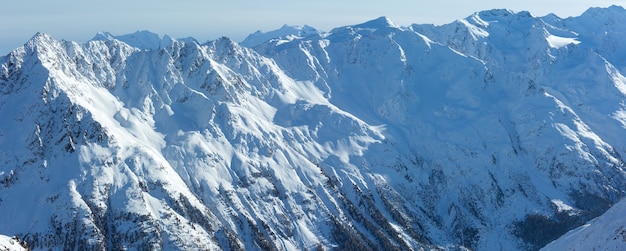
(498, 131)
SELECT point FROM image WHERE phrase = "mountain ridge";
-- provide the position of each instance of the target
(286, 31)
(420, 137)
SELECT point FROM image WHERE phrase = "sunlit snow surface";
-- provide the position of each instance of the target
(476, 134)
(558, 42)
(10, 244)
(607, 232)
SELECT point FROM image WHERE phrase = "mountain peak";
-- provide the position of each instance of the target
(40, 39)
(143, 39)
(613, 9)
(496, 13)
(378, 25)
(381, 22)
(103, 36)
(286, 31)
(143, 34)
(599, 13)
(502, 14)
(600, 19)
(226, 41)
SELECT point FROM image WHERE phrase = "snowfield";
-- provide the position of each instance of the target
(500, 131)
(10, 244)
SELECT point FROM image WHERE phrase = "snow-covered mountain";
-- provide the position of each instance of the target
(285, 33)
(500, 131)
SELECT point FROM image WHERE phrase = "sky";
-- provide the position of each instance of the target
(80, 20)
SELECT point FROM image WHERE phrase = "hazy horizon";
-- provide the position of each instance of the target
(80, 21)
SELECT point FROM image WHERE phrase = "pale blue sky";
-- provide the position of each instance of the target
(80, 20)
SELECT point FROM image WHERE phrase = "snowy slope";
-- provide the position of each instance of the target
(468, 103)
(160, 144)
(10, 244)
(607, 232)
(501, 131)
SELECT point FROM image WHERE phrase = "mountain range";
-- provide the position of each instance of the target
(499, 131)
